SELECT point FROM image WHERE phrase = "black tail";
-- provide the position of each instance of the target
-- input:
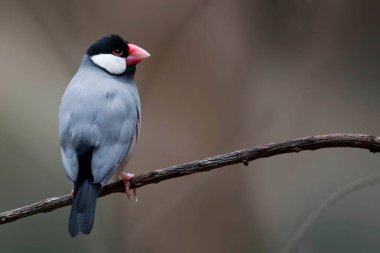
(85, 195)
(83, 208)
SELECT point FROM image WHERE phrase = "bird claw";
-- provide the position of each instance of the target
(126, 177)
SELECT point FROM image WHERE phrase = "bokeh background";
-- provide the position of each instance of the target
(224, 75)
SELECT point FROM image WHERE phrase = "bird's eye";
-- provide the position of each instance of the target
(117, 52)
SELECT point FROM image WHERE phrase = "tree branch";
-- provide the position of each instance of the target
(244, 156)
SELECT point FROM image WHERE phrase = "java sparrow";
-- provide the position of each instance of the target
(99, 121)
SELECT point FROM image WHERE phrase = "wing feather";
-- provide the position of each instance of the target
(104, 115)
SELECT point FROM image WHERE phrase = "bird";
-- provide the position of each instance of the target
(99, 124)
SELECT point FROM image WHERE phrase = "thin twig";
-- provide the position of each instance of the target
(292, 244)
(244, 156)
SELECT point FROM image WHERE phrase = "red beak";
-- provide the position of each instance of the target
(136, 54)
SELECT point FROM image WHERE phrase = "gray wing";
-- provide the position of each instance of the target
(105, 117)
(67, 138)
(119, 134)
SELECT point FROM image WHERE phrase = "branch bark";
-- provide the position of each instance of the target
(244, 156)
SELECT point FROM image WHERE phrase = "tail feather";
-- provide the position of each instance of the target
(83, 208)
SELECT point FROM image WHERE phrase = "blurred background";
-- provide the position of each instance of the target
(224, 75)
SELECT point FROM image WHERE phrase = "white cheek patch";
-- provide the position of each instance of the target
(111, 63)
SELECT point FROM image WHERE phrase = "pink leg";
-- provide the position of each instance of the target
(126, 177)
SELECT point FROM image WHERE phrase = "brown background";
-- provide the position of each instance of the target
(223, 75)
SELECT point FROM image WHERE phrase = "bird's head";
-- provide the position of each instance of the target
(114, 55)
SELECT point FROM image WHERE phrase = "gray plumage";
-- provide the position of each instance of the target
(101, 111)
(99, 122)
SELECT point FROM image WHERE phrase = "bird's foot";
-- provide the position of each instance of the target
(126, 177)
